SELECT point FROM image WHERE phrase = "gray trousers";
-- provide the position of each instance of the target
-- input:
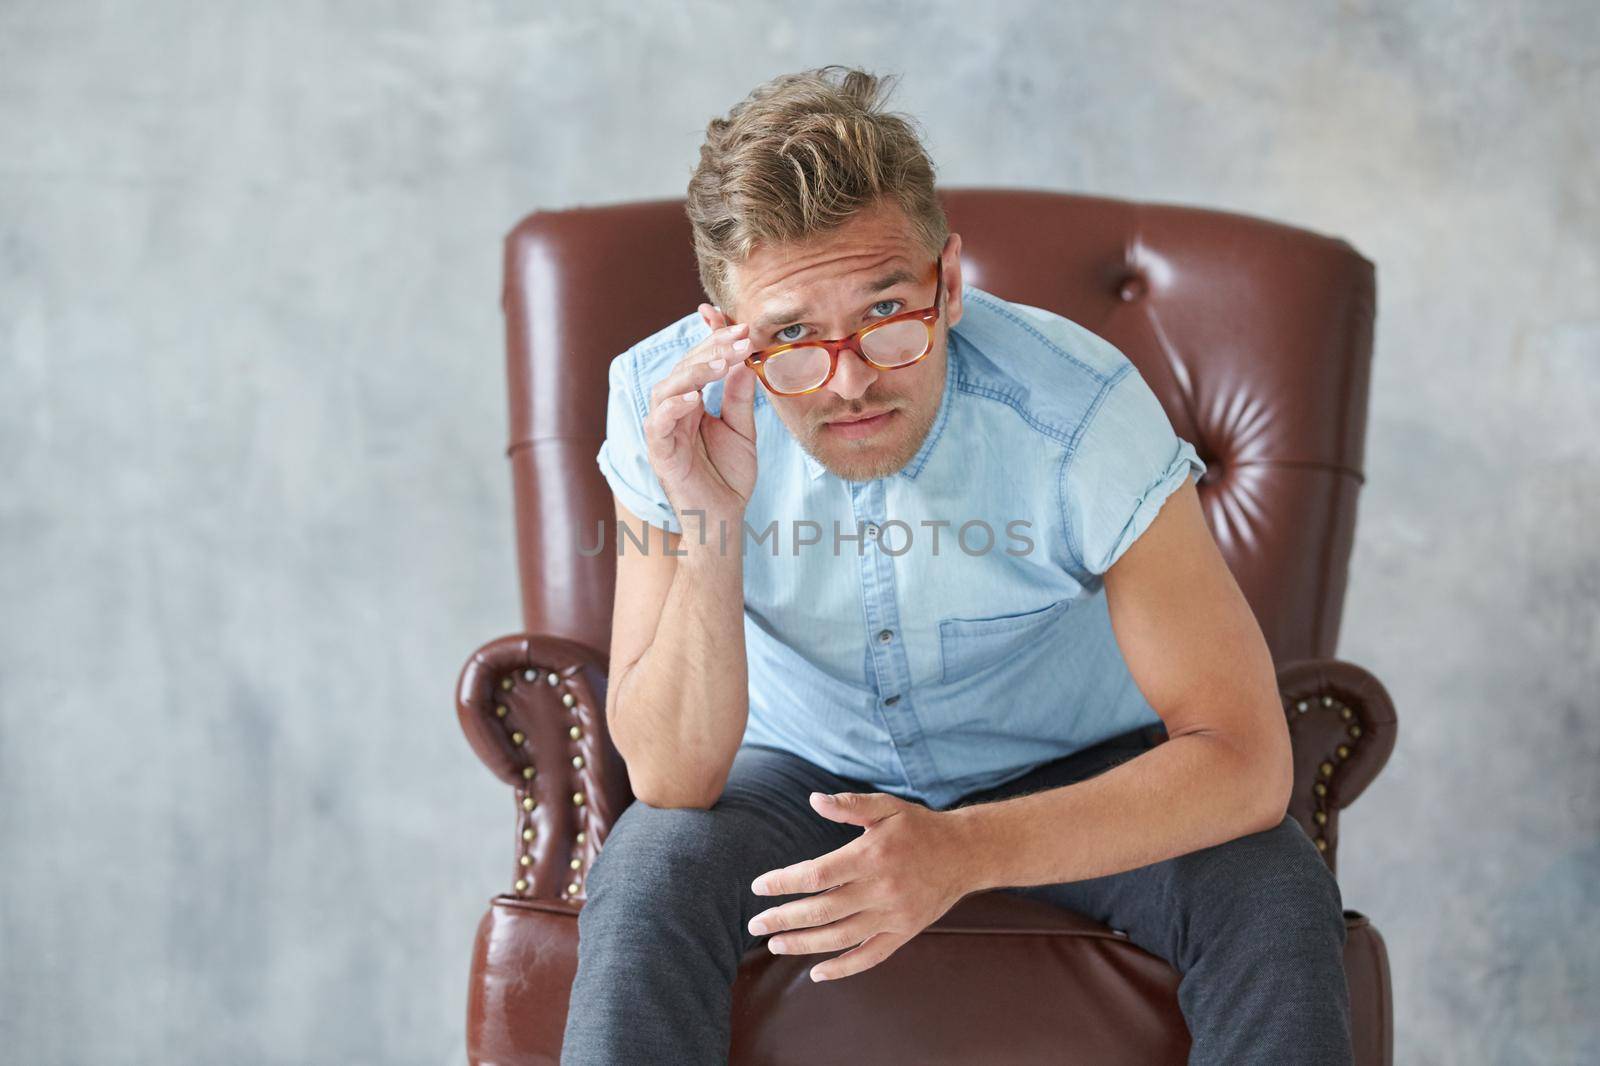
(1254, 925)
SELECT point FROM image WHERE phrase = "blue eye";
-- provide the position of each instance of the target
(779, 337)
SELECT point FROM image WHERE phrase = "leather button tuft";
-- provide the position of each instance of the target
(1132, 288)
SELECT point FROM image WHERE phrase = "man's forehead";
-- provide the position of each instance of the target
(778, 308)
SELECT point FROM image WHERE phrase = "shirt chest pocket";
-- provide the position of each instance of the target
(970, 645)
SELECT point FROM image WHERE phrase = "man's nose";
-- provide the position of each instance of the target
(854, 376)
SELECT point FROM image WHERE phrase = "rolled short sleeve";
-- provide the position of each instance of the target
(622, 456)
(1127, 461)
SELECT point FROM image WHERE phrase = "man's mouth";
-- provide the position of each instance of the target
(855, 426)
(861, 418)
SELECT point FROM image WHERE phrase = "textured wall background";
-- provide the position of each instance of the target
(254, 511)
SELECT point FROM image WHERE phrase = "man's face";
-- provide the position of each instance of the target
(834, 283)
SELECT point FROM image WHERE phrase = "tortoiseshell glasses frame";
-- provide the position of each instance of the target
(927, 316)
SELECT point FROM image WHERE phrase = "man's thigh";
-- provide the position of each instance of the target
(1259, 878)
(762, 821)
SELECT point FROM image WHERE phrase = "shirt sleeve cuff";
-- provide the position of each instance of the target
(651, 510)
(1183, 461)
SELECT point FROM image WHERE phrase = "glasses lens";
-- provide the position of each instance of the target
(797, 369)
(897, 344)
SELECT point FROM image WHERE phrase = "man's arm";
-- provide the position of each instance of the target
(678, 694)
(1193, 646)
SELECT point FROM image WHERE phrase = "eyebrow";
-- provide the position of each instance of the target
(791, 315)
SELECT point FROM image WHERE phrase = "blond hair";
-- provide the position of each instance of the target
(795, 160)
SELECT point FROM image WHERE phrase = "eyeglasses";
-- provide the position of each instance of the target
(891, 343)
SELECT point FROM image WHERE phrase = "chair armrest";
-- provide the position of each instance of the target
(533, 708)
(1342, 724)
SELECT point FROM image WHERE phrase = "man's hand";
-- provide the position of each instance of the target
(702, 461)
(881, 889)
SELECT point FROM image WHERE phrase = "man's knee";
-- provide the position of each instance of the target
(661, 853)
(1270, 888)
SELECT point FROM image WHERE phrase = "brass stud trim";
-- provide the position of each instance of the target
(1320, 789)
(1343, 750)
(552, 680)
(577, 799)
(572, 888)
(1301, 706)
(581, 836)
(574, 732)
(1327, 769)
(527, 773)
(522, 886)
(1327, 701)
(568, 699)
(506, 683)
(1355, 731)
(528, 675)
(1346, 713)
(527, 803)
(577, 761)
(1322, 845)
(1321, 817)
(575, 863)
(527, 834)
(501, 711)
(517, 738)
(526, 860)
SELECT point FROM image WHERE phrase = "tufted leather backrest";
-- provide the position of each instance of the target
(1256, 336)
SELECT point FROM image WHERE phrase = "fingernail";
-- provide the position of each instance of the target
(757, 927)
(691, 396)
(742, 344)
(718, 364)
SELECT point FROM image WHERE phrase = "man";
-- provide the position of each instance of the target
(843, 705)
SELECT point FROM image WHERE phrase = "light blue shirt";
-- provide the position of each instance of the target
(924, 661)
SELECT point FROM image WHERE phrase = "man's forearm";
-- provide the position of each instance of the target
(1187, 793)
(679, 712)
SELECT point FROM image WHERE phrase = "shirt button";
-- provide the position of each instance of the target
(872, 530)
(885, 636)
(891, 701)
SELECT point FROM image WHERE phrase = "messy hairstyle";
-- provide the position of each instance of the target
(796, 159)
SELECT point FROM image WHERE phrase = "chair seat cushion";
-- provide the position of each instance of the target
(998, 979)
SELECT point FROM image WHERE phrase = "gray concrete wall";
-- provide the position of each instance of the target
(254, 511)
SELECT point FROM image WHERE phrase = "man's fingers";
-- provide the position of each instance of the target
(846, 933)
(697, 369)
(738, 401)
(864, 956)
(819, 909)
(678, 396)
(671, 451)
(713, 316)
(675, 401)
(837, 867)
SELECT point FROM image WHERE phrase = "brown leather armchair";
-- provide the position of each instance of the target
(1258, 339)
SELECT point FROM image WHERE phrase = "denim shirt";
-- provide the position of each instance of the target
(887, 643)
